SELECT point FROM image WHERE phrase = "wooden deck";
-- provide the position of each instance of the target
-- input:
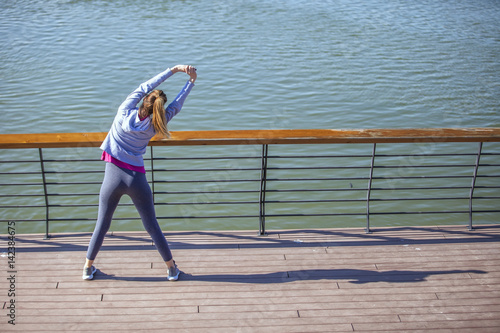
(418, 279)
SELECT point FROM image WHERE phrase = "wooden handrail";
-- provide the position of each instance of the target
(250, 137)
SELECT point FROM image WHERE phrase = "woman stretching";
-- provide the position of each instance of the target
(123, 149)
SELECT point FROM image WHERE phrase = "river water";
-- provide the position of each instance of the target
(67, 65)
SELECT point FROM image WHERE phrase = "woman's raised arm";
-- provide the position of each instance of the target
(189, 70)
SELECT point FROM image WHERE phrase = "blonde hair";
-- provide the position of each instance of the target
(154, 104)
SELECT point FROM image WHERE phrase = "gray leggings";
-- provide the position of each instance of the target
(117, 182)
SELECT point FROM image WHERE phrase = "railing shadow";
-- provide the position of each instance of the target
(285, 238)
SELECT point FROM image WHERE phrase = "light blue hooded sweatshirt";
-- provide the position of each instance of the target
(129, 136)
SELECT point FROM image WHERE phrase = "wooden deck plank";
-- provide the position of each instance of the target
(396, 279)
(430, 326)
(396, 307)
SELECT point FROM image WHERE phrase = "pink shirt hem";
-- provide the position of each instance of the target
(108, 158)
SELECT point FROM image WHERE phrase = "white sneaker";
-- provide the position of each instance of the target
(173, 273)
(88, 273)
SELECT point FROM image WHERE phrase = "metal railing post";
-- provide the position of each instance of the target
(367, 230)
(45, 194)
(152, 175)
(473, 185)
(262, 192)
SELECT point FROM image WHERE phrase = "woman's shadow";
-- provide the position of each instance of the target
(356, 276)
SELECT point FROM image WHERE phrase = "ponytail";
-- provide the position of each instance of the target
(154, 104)
(159, 120)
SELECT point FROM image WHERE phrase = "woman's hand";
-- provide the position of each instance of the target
(189, 70)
